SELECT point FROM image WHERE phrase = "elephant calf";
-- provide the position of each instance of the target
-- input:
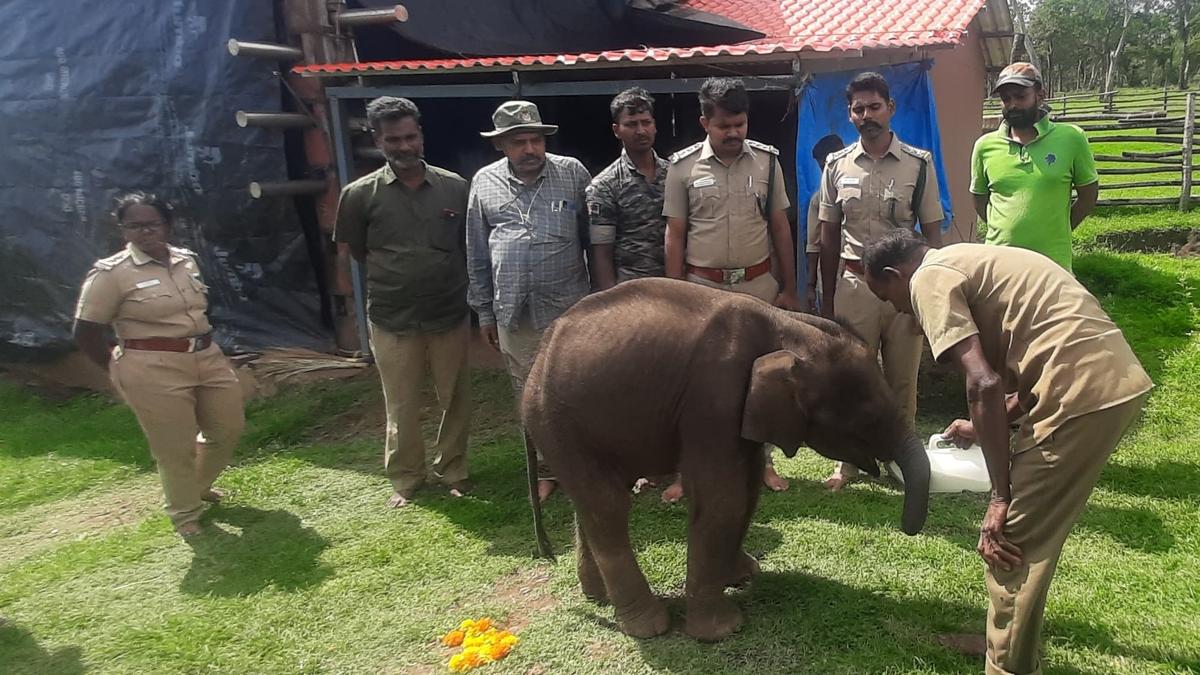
(657, 374)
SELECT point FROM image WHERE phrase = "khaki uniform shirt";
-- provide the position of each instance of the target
(1040, 330)
(416, 248)
(869, 197)
(814, 224)
(725, 206)
(142, 298)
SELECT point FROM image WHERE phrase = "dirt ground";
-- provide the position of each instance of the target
(259, 374)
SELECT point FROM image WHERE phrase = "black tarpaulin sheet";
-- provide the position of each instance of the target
(96, 98)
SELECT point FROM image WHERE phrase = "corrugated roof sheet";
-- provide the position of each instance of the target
(790, 26)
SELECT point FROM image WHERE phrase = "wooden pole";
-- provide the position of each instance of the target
(1189, 128)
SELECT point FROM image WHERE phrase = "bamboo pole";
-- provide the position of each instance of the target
(1152, 155)
(1121, 159)
(1189, 128)
(1173, 140)
(1139, 184)
(1104, 171)
(1145, 201)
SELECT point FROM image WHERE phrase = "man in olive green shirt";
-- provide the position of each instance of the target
(406, 223)
(1022, 173)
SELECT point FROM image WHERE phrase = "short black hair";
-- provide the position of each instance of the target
(868, 82)
(123, 201)
(827, 145)
(634, 101)
(391, 108)
(727, 93)
(894, 247)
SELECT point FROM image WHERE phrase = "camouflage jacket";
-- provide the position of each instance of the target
(625, 210)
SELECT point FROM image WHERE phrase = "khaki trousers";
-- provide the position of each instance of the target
(764, 287)
(894, 336)
(1050, 487)
(401, 361)
(190, 407)
(519, 346)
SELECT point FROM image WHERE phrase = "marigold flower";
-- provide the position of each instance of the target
(498, 650)
(458, 663)
(453, 639)
(483, 625)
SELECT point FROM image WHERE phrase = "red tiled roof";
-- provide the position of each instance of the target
(790, 26)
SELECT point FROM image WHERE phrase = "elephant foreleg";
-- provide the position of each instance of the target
(723, 492)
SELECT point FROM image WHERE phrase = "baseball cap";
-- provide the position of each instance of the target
(1021, 74)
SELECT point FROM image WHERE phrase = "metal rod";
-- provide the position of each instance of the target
(345, 168)
(273, 120)
(265, 50)
(287, 188)
(373, 17)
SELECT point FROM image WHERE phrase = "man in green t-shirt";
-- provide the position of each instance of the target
(1022, 173)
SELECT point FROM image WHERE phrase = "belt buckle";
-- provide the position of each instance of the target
(734, 276)
(193, 344)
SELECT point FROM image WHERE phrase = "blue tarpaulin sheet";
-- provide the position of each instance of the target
(822, 111)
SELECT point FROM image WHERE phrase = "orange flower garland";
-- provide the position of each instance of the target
(481, 644)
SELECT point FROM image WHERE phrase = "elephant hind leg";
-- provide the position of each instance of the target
(590, 579)
(602, 516)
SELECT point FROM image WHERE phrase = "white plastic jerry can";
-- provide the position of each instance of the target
(952, 469)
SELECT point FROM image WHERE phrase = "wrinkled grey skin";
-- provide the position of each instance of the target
(656, 374)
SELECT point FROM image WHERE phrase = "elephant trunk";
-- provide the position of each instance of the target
(914, 465)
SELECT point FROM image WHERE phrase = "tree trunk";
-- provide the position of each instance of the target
(1184, 26)
(1110, 80)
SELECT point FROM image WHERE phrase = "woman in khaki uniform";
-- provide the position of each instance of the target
(165, 363)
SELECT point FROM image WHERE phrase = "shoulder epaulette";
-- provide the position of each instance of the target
(182, 251)
(924, 155)
(762, 146)
(838, 154)
(689, 150)
(112, 260)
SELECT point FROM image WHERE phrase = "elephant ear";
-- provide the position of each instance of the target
(773, 413)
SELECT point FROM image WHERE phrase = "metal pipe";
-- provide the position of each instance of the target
(287, 188)
(345, 167)
(273, 120)
(265, 50)
(372, 17)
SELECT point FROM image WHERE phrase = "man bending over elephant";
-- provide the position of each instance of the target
(1013, 321)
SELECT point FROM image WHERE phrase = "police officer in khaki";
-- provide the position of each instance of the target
(875, 185)
(1036, 350)
(725, 204)
(165, 364)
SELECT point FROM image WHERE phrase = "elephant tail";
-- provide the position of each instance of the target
(544, 549)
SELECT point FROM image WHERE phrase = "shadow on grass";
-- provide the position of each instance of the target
(20, 653)
(1164, 480)
(798, 623)
(273, 550)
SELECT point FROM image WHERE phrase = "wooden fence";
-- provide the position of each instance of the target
(1167, 118)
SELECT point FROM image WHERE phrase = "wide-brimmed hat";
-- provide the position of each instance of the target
(1021, 74)
(518, 116)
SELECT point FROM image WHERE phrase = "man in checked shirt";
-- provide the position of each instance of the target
(527, 229)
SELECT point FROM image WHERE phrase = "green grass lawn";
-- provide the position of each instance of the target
(306, 572)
